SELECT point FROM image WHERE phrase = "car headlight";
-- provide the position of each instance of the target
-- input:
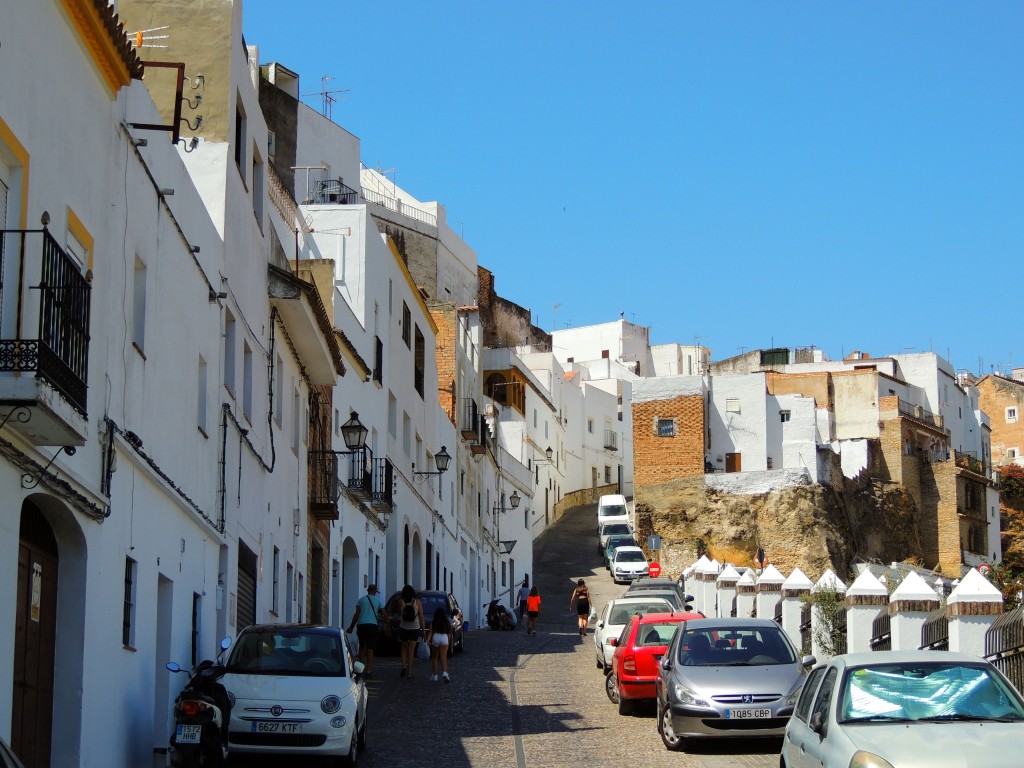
(338, 722)
(231, 699)
(686, 695)
(863, 759)
(330, 705)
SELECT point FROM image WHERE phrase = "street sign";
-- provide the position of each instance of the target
(984, 569)
(654, 542)
(654, 569)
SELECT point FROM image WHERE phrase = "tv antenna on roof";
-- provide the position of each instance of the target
(327, 97)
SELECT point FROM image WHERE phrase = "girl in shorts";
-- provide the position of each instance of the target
(581, 596)
(533, 610)
(439, 638)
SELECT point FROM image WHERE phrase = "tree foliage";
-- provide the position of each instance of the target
(1011, 481)
(829, 632)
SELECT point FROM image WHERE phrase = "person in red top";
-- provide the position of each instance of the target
(532, 610)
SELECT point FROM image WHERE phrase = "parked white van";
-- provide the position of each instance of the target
(611, 508)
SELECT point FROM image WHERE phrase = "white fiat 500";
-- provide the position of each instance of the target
(295, 689)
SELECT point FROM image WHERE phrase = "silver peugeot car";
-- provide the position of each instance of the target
(727, 677)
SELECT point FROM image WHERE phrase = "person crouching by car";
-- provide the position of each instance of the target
(410, 627)
(439, 638)
(367, 619)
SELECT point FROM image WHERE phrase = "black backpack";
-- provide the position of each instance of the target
(409, 612)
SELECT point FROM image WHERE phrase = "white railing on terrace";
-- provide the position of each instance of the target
(396, 205)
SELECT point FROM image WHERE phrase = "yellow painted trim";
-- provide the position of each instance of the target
(82, 235)
(412, 285)
(17, 149)
(98, 42)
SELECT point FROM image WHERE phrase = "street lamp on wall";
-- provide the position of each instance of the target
(353, 432)
(441, 460)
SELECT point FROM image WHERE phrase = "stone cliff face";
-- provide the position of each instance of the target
(811, 527)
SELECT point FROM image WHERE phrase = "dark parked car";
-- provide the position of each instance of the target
(644, 583)
(431, 600)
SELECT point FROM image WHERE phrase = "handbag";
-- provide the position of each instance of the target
(422, 651)
(382, 626)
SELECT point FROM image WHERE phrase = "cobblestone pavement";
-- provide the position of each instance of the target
(530, 701)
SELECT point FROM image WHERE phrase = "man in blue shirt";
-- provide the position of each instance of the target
(367, 619)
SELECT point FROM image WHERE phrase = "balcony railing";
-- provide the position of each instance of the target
(968, 460)
(396, 205)
(611, 440)
(366, 478)
(335, 191)
(59, 355)
(919, 413)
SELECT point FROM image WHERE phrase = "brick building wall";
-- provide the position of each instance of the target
(659, 459)
(996, 394)
(445, 318)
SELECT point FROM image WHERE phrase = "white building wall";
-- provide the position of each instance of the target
(741, 431)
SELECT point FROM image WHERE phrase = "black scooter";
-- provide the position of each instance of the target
(202, 713)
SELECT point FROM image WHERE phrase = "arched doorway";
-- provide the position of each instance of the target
(417, 561)
(350, 591)
(35, 635)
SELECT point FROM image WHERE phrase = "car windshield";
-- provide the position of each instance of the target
(281, 651)
(933, 691)
(613, 510)
(620, 613)
(630, 556)
(718, 646)
(613, 528)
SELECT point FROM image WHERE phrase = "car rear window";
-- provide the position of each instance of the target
(613, 510)
(713, 646)
(621, 613)
(431, 603)
(615, 528)
(288, 652)
(656, 634)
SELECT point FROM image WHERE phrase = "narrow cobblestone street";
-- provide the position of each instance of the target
(532, 701)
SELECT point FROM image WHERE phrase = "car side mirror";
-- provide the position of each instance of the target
(172, 666)
(666, 664)
(358, 668)
(600, 624)
(613, 641)
(688, 598)
(808, 661)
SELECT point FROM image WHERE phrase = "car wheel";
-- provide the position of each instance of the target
(625, 705)
(668, 735)
(462, 641)
(611, 688)
(350, 759)
(600, 663)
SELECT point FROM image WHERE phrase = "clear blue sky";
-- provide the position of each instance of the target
(849, 176)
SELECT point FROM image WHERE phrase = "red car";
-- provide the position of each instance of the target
(638, 650)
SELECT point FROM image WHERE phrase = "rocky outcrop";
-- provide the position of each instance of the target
(811, 527)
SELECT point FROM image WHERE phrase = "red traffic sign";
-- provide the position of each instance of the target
(984, 569)
(654, 569)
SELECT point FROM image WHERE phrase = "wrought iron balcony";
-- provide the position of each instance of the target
(47, 373)
(335, 191)
(364, 479)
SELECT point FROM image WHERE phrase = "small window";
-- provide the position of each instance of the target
(590, 426)
(784, 416)
(1012, 453)
(732, 405)
(139, 306)
(276, 581)
(229, 352)
(247, 382)
(240, 141)
(604, 354)
(1011, 415)
(406, 325)
(128, 618)
(197, 613)
(571, 360)
(666, 427)
(201, 377)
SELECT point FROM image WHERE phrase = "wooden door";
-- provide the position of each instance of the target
(732, 462)
(34, 639)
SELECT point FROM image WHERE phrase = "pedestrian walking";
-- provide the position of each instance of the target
(439, 638)
(411, 627)
(524, 592)
(581, 596)
(532, 610)
(367, 620)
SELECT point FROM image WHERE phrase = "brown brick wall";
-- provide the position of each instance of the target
(446, 319)
(947, 523)
(814, 385)
(659, 459)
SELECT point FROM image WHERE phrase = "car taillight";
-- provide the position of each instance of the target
(191, 708)
(629, 664)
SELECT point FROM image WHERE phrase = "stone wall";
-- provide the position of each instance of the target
(446, 318)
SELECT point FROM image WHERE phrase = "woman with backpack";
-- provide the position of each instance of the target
(581, 596)
(410, 627)
(439, 638)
